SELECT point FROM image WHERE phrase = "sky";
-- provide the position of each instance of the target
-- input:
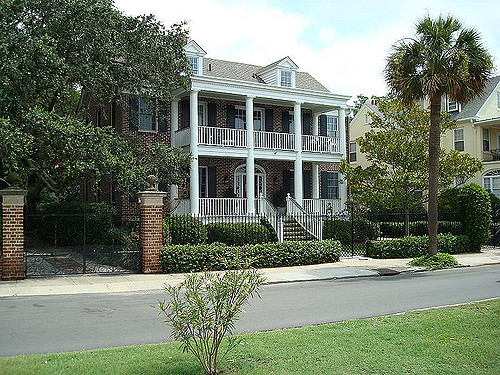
(343, 44)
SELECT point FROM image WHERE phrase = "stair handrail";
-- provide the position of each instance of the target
(312, 225)
(272, 215)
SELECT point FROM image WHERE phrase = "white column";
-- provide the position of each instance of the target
(315, 129)
(315, 182)
(174, 126)
(297, 175)
(342, 132)
(250, 158)
(194, 193)
(342, 191)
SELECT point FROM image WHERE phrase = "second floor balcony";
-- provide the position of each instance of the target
(229, 137)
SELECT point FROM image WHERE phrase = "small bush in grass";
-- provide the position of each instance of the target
(186, 230)
(434, 262)
(237, 233)
(202, 311)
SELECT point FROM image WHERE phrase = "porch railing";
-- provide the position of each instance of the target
(182, 137)
(267, 209)
(322, 206)
(317, 143)
(223, 206)
(274, 141)
(313, 225)
(182, 207)
(213, 136)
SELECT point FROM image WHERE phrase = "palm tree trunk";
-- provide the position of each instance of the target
(434, 148)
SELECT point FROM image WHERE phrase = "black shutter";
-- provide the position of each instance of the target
(324, 185)
(212, 182)
(269, 120)
(322, 125)
(306, 183)
(212, 114)
(230, 116)
(184, 114)
(162, 117)
(286, 181)
(285, 116)
(306, 123)
(133, 118)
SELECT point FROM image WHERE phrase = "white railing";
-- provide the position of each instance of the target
(322, 206)
(223, 206)
(267, 209)
(182, 137)
(317, 143)
(274, 141)
(208, 135)
(312, 224)
(182, 207)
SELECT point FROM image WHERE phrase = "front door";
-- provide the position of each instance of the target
(240, 182)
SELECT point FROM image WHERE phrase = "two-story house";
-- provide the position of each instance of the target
(255, 134)
(477, 132)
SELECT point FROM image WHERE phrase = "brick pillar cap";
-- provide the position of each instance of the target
(13, 195)
(151, 197)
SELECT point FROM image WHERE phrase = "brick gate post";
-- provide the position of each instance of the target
(151, 229)
(12, 257)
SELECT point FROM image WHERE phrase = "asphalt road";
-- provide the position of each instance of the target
(44, 324)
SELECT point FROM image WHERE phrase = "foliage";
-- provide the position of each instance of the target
(58, 58)
(215, 256)
(434, 262)
(279, 198)
(443, 58)
(237, 233)
(338, 229)
(415, 246)
(418, 228)
(203, 309)
(475, 209)
(186, 230)
(397, 148)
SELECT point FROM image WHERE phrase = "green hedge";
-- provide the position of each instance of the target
(418, 228)
(184, 230)
(237, 233)
(416, 246)
(475, 210)
(363, 229)
(193, 258)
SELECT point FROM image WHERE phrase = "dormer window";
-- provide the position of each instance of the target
(286, 78)
(193, 62)
(452, 105)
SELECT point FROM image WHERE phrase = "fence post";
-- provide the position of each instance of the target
(12, 257)
(151, 228)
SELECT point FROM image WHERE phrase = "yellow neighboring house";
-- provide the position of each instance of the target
(477, 133)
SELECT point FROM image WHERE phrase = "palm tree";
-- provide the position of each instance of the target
(442, 59)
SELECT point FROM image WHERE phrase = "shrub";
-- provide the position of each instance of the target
(475, 209)
(237, 233)
(61, 223)
(202, 311)
(415, 246)
(434, 262)
(214, 256)
(363, 229)
(186, 230)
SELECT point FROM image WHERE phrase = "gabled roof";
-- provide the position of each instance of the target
(283, 61)
(472, 107)
(193, 47)
(249, 73)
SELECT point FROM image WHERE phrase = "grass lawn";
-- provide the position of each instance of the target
(454, 340)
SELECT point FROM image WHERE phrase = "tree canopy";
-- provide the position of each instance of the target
(59, 57)
(396, 147)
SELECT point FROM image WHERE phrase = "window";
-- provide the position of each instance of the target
(240, 118)
(286, 78)
(332, 185)
(491, 182)
(332, 126)
(291, 123)
(452, 105)
(486, 139)
(193, 62)
(202, 114)
(147, 121)
(258, 120)
(367, 119)
(458, 139)
(203, 181)
(352, 151)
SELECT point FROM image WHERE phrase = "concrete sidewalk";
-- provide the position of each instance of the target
(111, 283)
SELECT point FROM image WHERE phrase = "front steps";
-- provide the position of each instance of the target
(293, 231)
